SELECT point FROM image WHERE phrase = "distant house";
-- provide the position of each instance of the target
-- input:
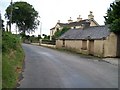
(74, 25)
(94, 40)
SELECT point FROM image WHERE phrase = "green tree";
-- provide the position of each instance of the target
(39, 37)
(24, 15)
(61, 32)
(3, 27)
(46, 37)
(113, 17)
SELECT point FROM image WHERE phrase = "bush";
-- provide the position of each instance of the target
(12, 58)
(9, 41)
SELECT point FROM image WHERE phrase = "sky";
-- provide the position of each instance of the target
(51, 11)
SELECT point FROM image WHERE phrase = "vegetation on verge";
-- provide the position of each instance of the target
(113, 17)
(12, 59)
(0, 70)
(0, 59)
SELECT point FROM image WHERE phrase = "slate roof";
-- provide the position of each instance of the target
(72, 24)
(94, 32)
(86, 22)
(52, 28)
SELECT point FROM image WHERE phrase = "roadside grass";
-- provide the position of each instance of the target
(0, 59)
(12, 60)
(0, 70)
(10, 65)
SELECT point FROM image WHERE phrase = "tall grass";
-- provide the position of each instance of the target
(0, 59)
(12, 58)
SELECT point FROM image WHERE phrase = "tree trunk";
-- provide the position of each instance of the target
(24, 35)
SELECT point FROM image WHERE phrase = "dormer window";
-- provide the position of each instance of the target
(57, 29)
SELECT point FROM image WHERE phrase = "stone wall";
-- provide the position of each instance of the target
(99, 48)
(110, 46)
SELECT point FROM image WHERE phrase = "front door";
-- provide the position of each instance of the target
(91, 47)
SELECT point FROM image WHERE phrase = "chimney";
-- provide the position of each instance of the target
(91, 16)
(70, 20)
(79, 19)
(58, 21)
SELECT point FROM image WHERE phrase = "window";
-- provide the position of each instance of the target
(57, 29)
(63, 43)
(84, 45)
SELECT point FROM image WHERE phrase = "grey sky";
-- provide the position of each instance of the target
(51, 11)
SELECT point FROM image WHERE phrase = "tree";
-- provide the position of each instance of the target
(113, 17)
(39, 37)
(3, 27)
(24, 15)
(61, 32)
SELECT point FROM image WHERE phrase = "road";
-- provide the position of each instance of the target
(48, 68)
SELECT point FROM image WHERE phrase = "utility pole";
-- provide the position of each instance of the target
(11, 14)
(40, 40)
(40, 28)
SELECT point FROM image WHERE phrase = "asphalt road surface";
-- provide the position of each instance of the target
(48, 68)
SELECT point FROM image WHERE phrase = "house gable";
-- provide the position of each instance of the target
(93, 23)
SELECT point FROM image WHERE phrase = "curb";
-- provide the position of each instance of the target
(113, 61)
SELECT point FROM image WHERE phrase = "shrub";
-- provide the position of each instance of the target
(12, 58)
(9, 41)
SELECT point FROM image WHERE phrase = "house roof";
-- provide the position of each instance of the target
(76, 23)
(72, 24)
(94, 32)
(95, 22)
(52, 28)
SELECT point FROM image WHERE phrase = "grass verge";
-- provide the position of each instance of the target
(0, 59)
(0, 70)
(12, 60)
